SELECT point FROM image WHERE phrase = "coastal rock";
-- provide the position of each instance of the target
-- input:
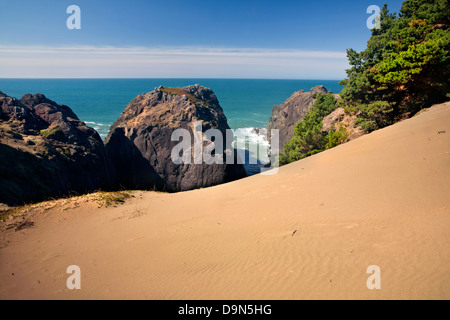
(332, 119)
(338, 118)
(287, 115)
(46, 151)
(139, 143)
(318, 89)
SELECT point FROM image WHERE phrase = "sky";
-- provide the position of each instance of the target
(276, 39)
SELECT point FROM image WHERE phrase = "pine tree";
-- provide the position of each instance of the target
(405, 66)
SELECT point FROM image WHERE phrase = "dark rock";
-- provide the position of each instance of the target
(57, 155)
(318, 89)
(287, 115)
(139, 143)
(19, 116)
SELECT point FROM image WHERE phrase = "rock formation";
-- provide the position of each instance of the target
(287, 115)
(46, 151)
(338, 118)
(139, 143)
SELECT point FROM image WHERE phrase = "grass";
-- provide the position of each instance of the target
(180, 92)
(107, 199)
(103, 199)
(5, 214)
(51, 132)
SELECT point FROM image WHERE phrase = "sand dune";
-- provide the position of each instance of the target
(309, 232)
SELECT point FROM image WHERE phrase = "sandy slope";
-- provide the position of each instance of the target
(383, 199)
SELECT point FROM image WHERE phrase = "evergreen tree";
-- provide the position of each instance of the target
(405, 66)
(308, 136)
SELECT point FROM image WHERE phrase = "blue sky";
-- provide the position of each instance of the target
(174, 38)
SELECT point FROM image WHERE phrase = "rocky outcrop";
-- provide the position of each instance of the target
(329, 122)
(287, 115)
(139, 143)
(46, 151)
(339, 119)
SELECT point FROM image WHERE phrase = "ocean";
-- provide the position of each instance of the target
(247, 103)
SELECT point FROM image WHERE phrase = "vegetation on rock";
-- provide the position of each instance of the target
(405, 68)
(309, 138)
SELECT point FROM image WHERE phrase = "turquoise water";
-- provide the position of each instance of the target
(99, 102)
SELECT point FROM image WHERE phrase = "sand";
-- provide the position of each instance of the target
(308, 232)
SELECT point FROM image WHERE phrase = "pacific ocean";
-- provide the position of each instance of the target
(247, 103)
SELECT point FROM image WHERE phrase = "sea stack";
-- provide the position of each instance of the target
(140, 141)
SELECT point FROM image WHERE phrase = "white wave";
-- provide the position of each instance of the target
(252, 136)
(97, 123)
(252, 145)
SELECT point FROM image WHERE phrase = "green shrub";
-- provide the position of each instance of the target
(308, 136)
(336, 137)
(54, 132)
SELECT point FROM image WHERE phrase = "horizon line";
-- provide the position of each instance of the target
(168, 78)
